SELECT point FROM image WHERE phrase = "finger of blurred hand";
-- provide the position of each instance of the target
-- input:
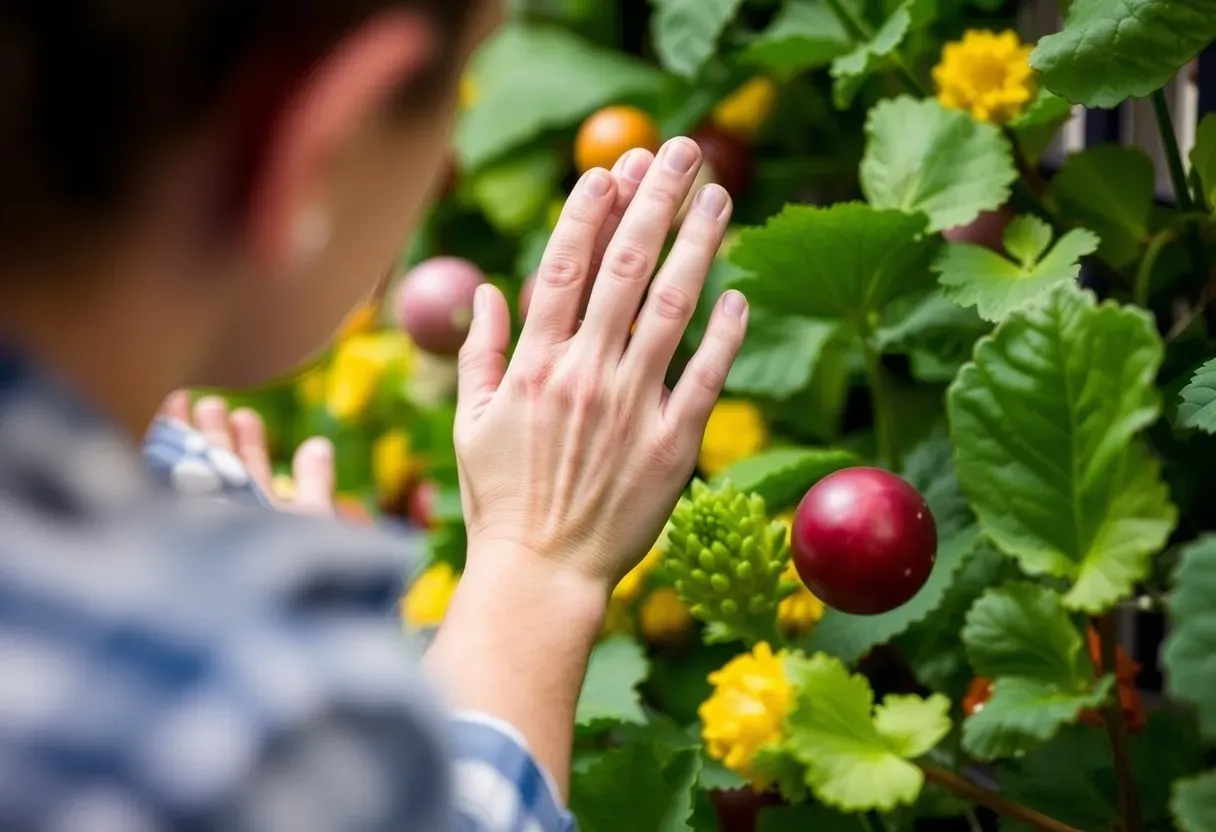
(633, 254)
(483, 358)
(565, 267)
(312, 469)
(695, 394)
(629, 171)
(673, 294)
(177, 406)
(211, 419)
(249, 434)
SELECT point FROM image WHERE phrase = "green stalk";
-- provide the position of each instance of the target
(1182, 191)
(883, 404)
(862, 32)
(1144, 273)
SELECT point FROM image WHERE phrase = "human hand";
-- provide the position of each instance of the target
(575, 452)
(243, 433)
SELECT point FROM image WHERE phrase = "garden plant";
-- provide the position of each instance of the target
(967, 443)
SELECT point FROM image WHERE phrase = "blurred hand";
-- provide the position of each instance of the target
(243, 432)
(576, 452)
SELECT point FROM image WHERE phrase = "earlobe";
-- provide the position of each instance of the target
(323, 107)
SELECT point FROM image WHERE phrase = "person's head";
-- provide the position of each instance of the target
(261, 160)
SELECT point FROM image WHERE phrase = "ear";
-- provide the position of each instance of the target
(317, 110)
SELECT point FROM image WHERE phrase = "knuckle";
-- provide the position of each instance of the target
(667, 198)
(666, 450)
(533, 379)
(561, 268)
(672, 302)
(708, 375)
(630, 263)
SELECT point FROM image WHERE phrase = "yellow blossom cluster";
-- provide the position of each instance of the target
(988, 74)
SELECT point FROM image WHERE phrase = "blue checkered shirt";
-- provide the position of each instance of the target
(188, 663)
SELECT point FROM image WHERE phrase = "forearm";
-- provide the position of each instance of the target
(514, 645)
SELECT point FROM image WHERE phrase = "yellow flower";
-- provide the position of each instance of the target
(736, 430)
(987, 74)
(798, 613)
(358, 365)
(426, 602)
(743, 111)
(663, 617)
(469, 92)
(392, 466)
(746, 709)
(631, 585)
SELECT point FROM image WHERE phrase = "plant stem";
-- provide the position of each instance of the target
(1002, 806)
(861, 31)
(1144, 273)
(1169, 142)
(1116, 728)
(973, 822)
(882, 404)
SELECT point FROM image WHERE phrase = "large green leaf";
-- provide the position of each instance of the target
(531, 78)
(1198, 406)
(1195, 803)
(803, 36)
(514, 192)
(782, 475)
(857, 756)
(610, 695)
(842, 262)
(779, 354)
(1021, 637)
(1110, 189)
(1045, 423)
(923, 157)
(849, 637)
(1203, 157)
(996, 285)
(1190, 650)
(658, 787)
(1110, 51)
(686, 32)
(850, 71)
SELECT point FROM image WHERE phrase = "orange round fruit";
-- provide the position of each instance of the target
(609, 133)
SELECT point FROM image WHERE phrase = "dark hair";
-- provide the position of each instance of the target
(92, 90)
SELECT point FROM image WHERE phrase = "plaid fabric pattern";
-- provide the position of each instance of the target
(201, 664)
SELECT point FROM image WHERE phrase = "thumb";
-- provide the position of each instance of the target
(483, 358)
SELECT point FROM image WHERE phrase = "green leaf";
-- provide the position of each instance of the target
(850, 71)
(617, 666)
(849, 637)
(779, 354)
(929, 467)
(1109, 188)
(1190, 650)
(1194, 803)
(996, 285)
(686, 32)
(514, 192)
(922, 157)
(782, 475)
(854, 754)
(1198, 406)
(841, 262)
(660, 788)
(1022, 629)
(714, 775)
(1045, 423)
(803, 36)
(1203, 157)
(1109, 52)
(1046, 109)
(1023, 713)
(531, 78)
(933, 328)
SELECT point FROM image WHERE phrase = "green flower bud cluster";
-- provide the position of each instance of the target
(726, 558)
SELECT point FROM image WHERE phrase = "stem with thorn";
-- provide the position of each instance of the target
(1002, 806)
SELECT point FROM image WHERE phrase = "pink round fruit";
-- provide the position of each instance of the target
(987, 230)
(434, 303)
(864, 541)
(525, 295)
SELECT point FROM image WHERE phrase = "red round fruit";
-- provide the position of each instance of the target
(525, 295)
(434, 303)
(864, 541)
(729, 156)
(421, 504)
(987, 230)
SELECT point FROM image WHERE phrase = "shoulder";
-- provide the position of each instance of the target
(204, 659)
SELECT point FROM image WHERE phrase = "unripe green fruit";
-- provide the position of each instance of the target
(726, 557)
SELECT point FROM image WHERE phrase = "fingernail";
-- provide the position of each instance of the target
(320, 446)
(734, 304)
(597, 183)
(634, 165)
(680, 155)
(481, 301)
(711, 200)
